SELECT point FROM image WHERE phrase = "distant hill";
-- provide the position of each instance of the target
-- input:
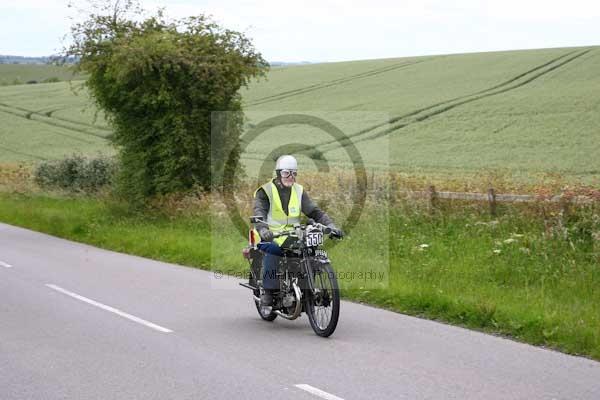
(17, 74)
(4, 59)
(287, 64)
(8, 59)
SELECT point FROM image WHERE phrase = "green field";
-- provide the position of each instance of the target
(522, 112)
(49, 121)
(11, 74)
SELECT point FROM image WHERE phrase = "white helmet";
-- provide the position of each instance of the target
(286, 162)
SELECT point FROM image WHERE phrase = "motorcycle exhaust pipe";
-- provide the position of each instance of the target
(298, 308)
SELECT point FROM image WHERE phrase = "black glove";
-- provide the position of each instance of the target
(335, 231)
(265, 235)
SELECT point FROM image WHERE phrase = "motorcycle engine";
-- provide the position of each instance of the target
(288, 300)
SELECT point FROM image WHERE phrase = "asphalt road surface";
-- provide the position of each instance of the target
(77, 322)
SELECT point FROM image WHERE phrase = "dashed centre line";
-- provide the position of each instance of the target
(110, 309)
(317, 392)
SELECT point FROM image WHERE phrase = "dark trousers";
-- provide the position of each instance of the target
(272, 254)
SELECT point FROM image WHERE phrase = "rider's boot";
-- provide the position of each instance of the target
(266, 299)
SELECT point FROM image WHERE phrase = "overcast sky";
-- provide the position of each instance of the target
(336, 30)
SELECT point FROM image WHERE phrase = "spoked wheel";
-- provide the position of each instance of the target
(265, 313)
(324, 306)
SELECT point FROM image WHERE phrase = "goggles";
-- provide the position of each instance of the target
(286, 173)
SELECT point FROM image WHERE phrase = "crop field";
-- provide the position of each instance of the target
(48, 121)
(22, 73)
(522, 112)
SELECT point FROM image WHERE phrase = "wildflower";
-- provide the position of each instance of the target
(509, 241)
(497, 251)
(423, 247)
(516, 235)
(525, 250)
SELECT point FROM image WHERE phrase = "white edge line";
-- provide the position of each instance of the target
(317, 392)
(5, 265)
(111, 309)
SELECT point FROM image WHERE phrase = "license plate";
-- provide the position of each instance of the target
(314, 239)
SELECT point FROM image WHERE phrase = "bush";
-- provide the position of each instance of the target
(51, 80)
(158, 82)
(76, 174)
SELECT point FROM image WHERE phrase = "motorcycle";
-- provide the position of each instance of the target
(307, 281)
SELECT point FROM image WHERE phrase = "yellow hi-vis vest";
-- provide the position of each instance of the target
(277, 219)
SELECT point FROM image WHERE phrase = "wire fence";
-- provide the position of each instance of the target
(564, 199)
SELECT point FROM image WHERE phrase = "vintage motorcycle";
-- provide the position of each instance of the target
(307, 282)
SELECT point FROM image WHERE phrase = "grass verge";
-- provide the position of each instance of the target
(531, 278)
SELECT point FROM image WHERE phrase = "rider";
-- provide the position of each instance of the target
(279, 203)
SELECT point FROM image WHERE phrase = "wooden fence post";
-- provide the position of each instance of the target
(392, 189)
(564, 203)
(492, 200)
(432, 198)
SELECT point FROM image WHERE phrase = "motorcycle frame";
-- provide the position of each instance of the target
(306, 269)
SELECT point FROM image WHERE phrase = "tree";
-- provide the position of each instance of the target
(158, 81)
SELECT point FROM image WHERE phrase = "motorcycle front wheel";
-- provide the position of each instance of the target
(324, 304)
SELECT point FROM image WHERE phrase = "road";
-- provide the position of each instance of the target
(78, 322)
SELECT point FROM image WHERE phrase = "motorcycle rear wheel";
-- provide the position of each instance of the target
(323, 307)
(266, 313)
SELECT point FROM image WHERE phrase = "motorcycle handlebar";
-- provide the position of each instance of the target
(325, 229)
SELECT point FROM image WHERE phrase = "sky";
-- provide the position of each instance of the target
(341, 30)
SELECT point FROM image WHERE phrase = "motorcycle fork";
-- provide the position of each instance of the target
(308, 271)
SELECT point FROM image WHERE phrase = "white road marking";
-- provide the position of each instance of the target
(111, 309)
(5, 265)
(317, 392)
